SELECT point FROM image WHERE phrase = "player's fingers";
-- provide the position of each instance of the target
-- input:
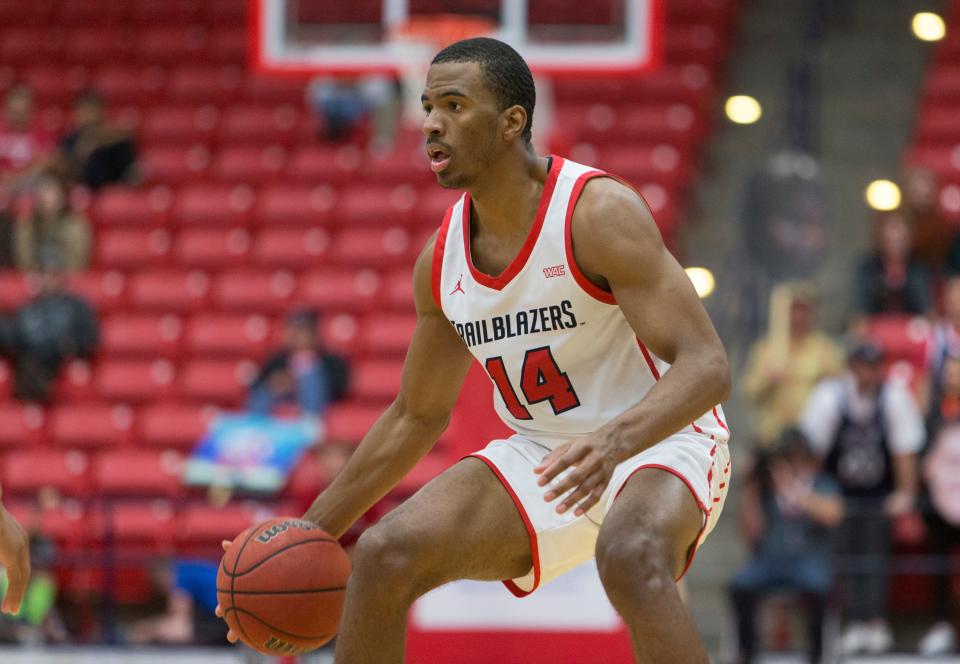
(15, 590)
(218, 612)
(552, 456)
(570, 458)
(581, 492)
(591, 500)
(585, 467)
(226, 544)
(232, 636)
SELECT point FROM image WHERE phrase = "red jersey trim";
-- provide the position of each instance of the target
(534, 549)
(588, 286)
(439, 244)
(505, 277)
(706, 511)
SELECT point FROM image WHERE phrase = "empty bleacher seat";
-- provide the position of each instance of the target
(306, 205)
(376, 380)
(202, 83)
(171, 44)
(387, 334)
(180, 124)
(254, 291)
(222, 382)
(171, 424)
(212, 247)
(172, 290)
(349, 421)
(339, 289)
(128, 247)
(175, 164)
(291, 247)
(213, 205)
(29, 470)
(136, 207)
(90, 425)
(384, 247)
(140, 473)
(250, 164)
(104, 290)
(141, 335)
(134, 381)
(227, 335)
(259, 124)
(21, 425)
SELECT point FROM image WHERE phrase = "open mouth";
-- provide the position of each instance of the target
(439, 158)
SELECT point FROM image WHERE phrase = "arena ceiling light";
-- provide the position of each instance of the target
(743, 109)
(702, 280)
(928, 26)
(883, 195)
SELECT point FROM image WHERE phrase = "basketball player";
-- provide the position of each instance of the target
(554, 277)
(15, 558)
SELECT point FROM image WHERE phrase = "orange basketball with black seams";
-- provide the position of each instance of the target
(281, 586)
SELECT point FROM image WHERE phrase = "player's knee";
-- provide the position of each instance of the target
(633, 566)
(383, 554)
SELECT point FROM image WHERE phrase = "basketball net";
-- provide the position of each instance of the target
(416, 40)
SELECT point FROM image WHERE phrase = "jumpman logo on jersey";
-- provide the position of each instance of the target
(459, 288)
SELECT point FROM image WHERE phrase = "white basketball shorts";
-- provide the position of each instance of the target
(560, 542)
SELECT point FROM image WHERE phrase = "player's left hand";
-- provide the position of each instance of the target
(231, 635)
(592, 462)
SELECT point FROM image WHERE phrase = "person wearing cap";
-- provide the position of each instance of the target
(51, 328)
(867, 430)
(786, 512)
(299, 372)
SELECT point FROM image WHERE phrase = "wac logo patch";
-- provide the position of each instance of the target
(555, 271)
(282, 527)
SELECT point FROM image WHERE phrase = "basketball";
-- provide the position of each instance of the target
(281, 586)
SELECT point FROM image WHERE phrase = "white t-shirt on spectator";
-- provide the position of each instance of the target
(821, 414)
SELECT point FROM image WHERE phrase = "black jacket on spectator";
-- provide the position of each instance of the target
(881, 293)
(335, 367)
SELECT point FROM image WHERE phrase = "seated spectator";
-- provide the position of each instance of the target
(785, 365)
(190, 586)
(25, 147)
(96, 153)
(891, 280)
(786, 510)
(867, 430)
(944, 340)
(52, 223)
(54, 326)
(941, 470)
(931, 232)
(300, 372)
(345, 105)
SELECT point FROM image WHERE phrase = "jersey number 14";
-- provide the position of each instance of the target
(540, 380)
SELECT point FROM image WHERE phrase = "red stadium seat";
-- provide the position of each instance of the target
(305, 481)
(254, 291)
(134, 381)
(212, 247)
(75, 382)
(324, 164)
(227, 335)
(90, 425)
(295, 205)
(291, 248)
(903, 338)
(402, 166)
(239, 164)
(142, 473)
(90, 12)
(144, 527)
(376, 380)
(339, 290)
(21, 46)
(21, 425)
(96, 45)
(377, 205)
(125, 247)
(175, 164)
(221, 382)
(942, 85)
(65, 524)
(202, 527)
(227, 45)
(134, 207)
(173, 425)
(273, 90)
(398, 289)
(26, 13)
(27, 471)
(50, 84)
(699, 43)
(259, 124)
(349, 421)
(14, 290)
(213, 205)
(661, 163)
(103, 290)
(6, 380)
(433, 204)
(169, 291)
(340, 333)
(176, 12)
(204, 84)
(225, 12)
(141, 335)
(180, 124)
(387, 335)
(171, 44)
(374, 246)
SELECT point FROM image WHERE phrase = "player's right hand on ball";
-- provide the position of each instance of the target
(231, 636)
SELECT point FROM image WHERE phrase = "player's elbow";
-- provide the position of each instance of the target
(718, 369)
(418, 421)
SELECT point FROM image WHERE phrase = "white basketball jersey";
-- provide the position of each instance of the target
(562, 358)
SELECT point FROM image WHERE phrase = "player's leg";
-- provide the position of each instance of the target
(644, 545)
(461, 525)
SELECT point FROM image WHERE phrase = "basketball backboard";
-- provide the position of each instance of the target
(356, 36)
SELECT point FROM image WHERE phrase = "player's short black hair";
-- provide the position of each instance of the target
(507, 75)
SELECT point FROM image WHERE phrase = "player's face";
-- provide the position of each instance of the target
(461, 121)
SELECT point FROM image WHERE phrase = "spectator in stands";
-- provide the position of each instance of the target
(190, 586)
(25, 147)
(785, 365)
(890, 280)
(786, 511)
(54, 326)
(52, 223)
(868, 431)
(301, 371)
(96, 153)
(343, 105)
(941, 470)
(931, 232)
(944, 338)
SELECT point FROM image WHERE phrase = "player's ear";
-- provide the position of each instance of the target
(514, 121)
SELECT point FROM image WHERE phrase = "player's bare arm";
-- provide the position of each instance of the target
(15, 558)
(618, 246)
(433, 373)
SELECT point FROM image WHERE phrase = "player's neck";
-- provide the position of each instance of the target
(510, 194)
